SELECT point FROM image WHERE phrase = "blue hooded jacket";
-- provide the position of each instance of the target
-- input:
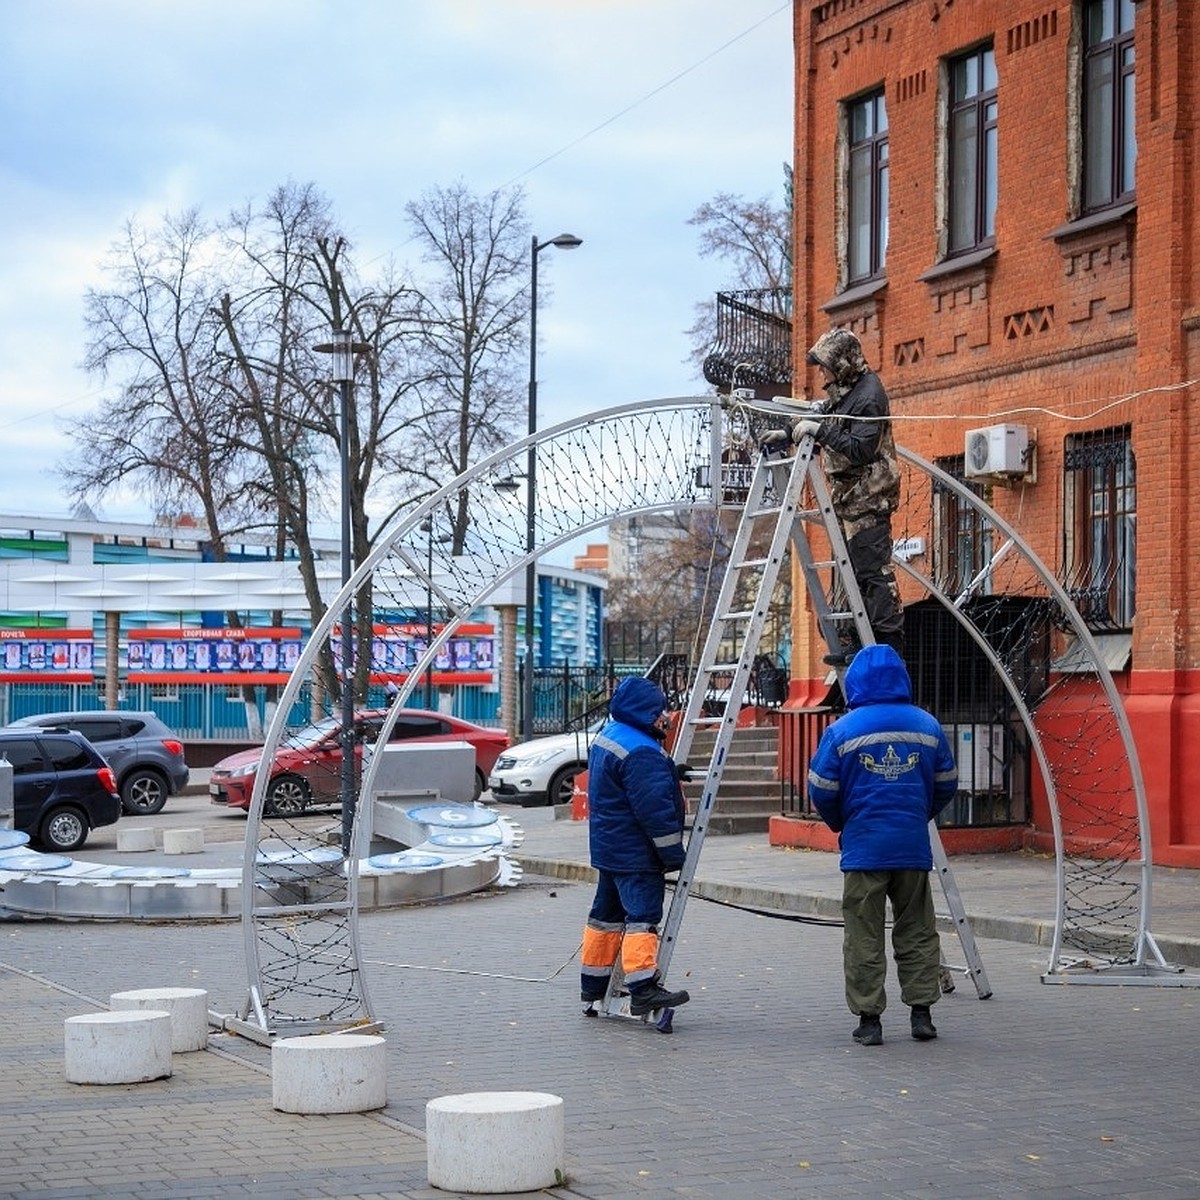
(635, 805)
(884, 770)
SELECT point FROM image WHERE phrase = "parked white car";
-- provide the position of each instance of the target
(542, 770)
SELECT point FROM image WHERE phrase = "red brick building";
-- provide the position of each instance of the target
(1001, 201)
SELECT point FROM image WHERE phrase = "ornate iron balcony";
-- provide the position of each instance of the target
(754, 342)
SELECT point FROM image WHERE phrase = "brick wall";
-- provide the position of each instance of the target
(1064, 315)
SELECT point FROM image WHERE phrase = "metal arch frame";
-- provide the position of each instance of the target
(1145, 944)
(389, 545)
(520, 555)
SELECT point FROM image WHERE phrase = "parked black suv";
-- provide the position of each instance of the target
(62, 787)
(146, 755)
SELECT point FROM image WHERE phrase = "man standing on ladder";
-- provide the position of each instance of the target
(635, 832)
(880, 774)
(859, 458)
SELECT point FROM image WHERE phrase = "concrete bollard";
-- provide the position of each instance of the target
(187, 1007)
(183, 841)
(117, 1047)
(495, 1142)
(135, 839)
(329, 1073)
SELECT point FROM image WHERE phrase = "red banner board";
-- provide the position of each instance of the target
(46, 656)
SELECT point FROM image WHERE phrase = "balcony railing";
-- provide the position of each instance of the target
(754, 343)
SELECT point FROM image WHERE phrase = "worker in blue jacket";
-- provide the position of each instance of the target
(881, 773)
(635, 819)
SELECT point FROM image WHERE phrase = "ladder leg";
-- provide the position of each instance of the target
(974, 968)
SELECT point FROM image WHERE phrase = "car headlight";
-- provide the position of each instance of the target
(244, 770)
(536, 760)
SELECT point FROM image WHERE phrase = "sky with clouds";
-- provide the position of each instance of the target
(618, 118)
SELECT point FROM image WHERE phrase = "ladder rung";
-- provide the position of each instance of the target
(707, 720)
(737, 616)
(752, 562)
(767, 512)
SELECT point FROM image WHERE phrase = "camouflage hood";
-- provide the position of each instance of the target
(840, 353)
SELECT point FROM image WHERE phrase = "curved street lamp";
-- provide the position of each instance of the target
(564, 241)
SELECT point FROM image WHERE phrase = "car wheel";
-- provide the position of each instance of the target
(562, 786)
(480, 784)
(63, 828)
(144, 793)
(287, 796)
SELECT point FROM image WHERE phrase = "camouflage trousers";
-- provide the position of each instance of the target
(869, 544)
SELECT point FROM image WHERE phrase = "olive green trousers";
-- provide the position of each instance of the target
(915, 944)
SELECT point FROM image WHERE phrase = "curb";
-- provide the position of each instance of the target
(1030, 931)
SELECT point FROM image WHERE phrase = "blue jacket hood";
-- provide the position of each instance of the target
(638, 702)
(877, 675)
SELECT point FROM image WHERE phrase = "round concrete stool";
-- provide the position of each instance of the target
(118, 1047)
(329, 1073)
(183, 841)
(188, 1009)
(135, 839)
(495, 1142)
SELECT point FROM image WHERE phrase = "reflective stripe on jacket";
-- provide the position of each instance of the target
(883, 771)
(635, 806)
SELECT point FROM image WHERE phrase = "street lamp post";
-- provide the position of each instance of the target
(426, 527)
(342, 350)
(564, 241)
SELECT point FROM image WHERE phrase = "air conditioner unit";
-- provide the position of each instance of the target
(997, 450)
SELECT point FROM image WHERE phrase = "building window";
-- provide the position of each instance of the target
(867, 189)
(1109, 135)
(962, 538)
(1100, 527)
(972, 150)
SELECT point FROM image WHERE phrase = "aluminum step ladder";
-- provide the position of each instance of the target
(772, 515)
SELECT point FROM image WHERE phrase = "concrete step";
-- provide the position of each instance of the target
(725, 824)
(735, 769)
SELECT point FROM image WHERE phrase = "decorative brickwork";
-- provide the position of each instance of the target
(1029, 33)
(1027, 324)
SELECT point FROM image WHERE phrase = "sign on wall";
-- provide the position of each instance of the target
(45, 655)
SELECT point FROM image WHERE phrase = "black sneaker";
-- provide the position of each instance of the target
(869, 1031)
(651, 1000)
(923, 1028)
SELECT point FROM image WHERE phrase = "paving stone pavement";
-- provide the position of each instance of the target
(1063, 1091)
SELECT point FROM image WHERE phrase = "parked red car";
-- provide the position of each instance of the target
(308, 765)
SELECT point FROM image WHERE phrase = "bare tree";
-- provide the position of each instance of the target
(754, 239)
(474, 311)
(169, 431)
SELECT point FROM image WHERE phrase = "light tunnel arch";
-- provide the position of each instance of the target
(303, 962)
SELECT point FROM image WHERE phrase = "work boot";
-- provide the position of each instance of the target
(923, 1028)
(847, 647)
(653, 998)
(869, 1031)
(840, 658)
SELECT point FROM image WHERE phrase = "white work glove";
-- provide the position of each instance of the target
(802, 429)
(773, 441)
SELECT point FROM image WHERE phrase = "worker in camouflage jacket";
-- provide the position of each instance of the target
(855, 436)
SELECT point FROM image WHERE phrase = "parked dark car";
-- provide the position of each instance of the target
(62, 787)
(146, 755)
(306, 771)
